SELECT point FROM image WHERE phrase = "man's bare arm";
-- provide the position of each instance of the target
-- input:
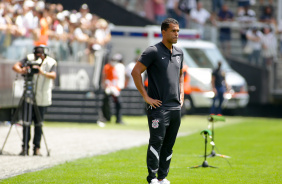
(181, 84)
(136, 74)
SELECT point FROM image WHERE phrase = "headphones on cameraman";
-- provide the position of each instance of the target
(45, 49)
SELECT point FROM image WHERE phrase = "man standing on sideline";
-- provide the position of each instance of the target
(113, 79)
(164, 99)
(219, 87)
(43, 82)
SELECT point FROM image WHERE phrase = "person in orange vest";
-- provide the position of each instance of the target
(187, 86)
(187, 108)
(111, 83)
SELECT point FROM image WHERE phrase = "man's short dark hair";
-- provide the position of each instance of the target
(166, 22)
(40, 49)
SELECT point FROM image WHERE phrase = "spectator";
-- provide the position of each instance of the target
(268, 1)
(254, 37)
(112, 85)
(159, 10)
(185, 7)
(279, 32)
(100, 37)
(17, 5)
(267, 15)
(59, 33)
(30, 21)
(20, 18)
(102, 34)
(245, 17)
(269, 46)
(216, 5)
(84, 16)
(129, 83)
(19, 23)
(225, 15)
(174, 12)
(41, 34)
(200, 16)
(120, 69)
(243, 3)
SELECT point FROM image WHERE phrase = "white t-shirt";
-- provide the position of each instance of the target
(129, 68)
(280, 29)
(269, 40)
(255, 45)
(59, 29)
(170, 4)
(201, 16)
(120, 69)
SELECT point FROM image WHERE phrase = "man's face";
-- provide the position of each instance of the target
(171, 34)
(38, 55)
(113, 62)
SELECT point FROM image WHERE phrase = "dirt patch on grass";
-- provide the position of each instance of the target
(65, 144)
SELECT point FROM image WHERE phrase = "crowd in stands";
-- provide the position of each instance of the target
(257, 26)
(46, 23)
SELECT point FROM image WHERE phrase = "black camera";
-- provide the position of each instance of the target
(31, 62)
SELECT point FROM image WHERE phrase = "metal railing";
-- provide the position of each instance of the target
(14, 48)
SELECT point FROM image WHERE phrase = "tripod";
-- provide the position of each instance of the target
(213, 119)
(205, 163)
(26, 106)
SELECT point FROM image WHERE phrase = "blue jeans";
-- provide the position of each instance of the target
(255, 57)
(219, 97)
(160, 18)
(181, 19)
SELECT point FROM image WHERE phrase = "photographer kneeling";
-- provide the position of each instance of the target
(42, 70)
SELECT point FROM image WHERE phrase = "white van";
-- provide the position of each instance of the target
(200, 56)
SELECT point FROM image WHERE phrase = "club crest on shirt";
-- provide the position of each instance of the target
(178, 59)
(155, 123)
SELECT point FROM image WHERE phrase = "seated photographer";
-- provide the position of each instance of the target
(41, 69)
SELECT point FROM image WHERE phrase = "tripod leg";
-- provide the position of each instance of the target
(1, 151)
(48, 152)
(13, 120)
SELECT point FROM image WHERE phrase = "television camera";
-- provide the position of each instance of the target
(30, 64)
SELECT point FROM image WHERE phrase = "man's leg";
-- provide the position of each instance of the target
(213, 109)
(157, 132)
(118, 108)
(168, 143)
(38, 127)
(106, 108)
(220, 93)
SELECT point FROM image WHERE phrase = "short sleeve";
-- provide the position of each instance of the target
(182, 62)
(148, 56)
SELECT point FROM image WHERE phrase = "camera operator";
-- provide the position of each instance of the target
(42, 70)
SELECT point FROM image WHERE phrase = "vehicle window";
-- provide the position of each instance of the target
(200, 58)
(215, 56)
(204, 58)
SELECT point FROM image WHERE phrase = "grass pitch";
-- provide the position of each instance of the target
(253, 143)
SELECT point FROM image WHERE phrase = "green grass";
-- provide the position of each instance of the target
(253, 143)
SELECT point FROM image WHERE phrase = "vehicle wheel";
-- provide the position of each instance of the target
(188, 106)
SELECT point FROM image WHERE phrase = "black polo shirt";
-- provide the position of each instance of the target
(163, 68)
(219, 78)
